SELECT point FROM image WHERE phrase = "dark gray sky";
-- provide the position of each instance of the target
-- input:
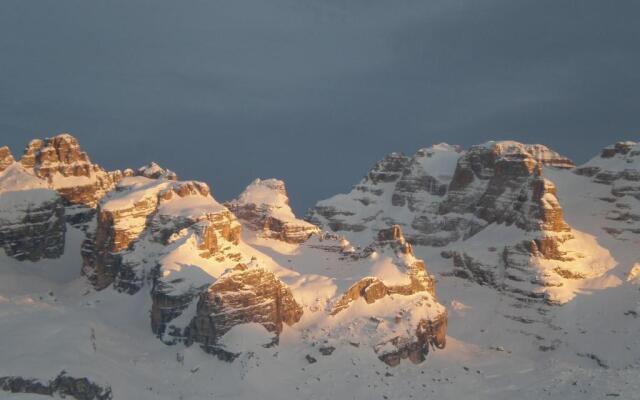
(314, 91)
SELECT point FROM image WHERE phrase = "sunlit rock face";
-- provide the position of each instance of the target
(6, 158)
(169, 235)
(264, 208)
(490, 208)
(444, 194)
(501, 183)
(398, 190)
(618, 166)
(245, 294)
(61, 162)
(504, 184)
(143, 217)
(399, 279)
(372, 288)
(53, 183)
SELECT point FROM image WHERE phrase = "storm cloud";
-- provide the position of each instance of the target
(314, 91)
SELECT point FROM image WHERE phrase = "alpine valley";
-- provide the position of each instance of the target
(501, 271)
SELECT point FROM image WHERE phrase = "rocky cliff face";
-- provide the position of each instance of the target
(144, 228)
(32, 216)
(62, 385)
(457, 200)
(67, 169)
(618, 167)
(54, 182)
(373, 288)
(402, 281)
(395, 184)
(6, 158)
(264, 208)
(32, 224)
(245, 294)
(152, 212)
(155, 171)
(170, 235)
(431, 194)
(504, 184)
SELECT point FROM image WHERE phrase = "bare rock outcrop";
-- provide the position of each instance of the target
(67, 169)
(32, 224)
(152, 211)
(432, 194)
(417, 183)
(462, 200)
(414, 294)
(264, 207)
(372, 288)
(6, 158)
(155, 171)
(618, 166)
(242, 295)
(62, 385)
(430, 333)
(61, 161)
(163, 233)
(32, 216)
(504, 184)
(54, 183)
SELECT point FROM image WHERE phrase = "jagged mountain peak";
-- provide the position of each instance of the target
(66, 168)
(492, 187)
(6, 158)
(155, 171)
(613, 160)
(540, 153)
(56, 154)
(269, 192)
(508, 241)
(619, 148)
(264, 207)
(617, 168)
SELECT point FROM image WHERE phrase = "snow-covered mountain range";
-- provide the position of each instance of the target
(495, 272)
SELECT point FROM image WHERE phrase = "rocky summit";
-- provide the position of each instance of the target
(490, 209)
(264, 208)
(447, 274)
(207, 267)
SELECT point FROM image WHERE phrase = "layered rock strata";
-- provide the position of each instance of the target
(404, 278)
(618, 167)
(32, 224)
(32, 216)
(156, 211)
(264, 207)
(67, 169)
(62, 385)
(242, 295)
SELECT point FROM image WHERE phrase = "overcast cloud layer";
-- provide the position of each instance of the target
(314, 91)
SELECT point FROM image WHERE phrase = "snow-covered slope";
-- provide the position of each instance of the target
(264, 207)
(490, 209)
(32, 216)
(521, 264)
(515, 232)
(180, 263)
